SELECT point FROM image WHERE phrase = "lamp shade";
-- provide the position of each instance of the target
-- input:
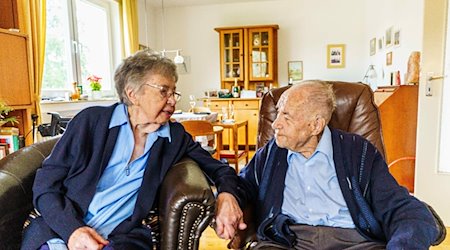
(178, 58)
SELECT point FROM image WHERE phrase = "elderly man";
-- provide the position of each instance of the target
(316, 187)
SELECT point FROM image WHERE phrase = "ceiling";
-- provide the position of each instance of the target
(175, 3)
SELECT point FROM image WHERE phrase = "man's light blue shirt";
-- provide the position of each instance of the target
(312, 194)
(118, 187)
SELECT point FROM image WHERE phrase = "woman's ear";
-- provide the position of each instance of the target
(131, 94)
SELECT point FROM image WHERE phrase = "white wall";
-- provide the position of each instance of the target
(403, 15)
(306, 27)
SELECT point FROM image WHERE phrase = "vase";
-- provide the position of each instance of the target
(96, 95)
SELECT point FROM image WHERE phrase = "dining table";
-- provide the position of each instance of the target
(185, 116)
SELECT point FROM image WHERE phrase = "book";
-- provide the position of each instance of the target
(10, 136)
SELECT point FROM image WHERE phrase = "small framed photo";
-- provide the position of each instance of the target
(389, 37)
(397, 38)
(4, 150)
(373, 46)
(336, 56)
(389, 58)
(295, 70)
(380, 43)
(259, 89)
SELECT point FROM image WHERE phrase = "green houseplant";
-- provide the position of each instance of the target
(4, 110)
(95, 82)
(96, 86)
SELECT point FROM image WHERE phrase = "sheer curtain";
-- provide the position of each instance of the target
(129, 23)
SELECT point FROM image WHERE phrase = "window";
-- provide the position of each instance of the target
(82, 38)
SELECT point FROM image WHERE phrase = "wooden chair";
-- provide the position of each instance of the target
(205, 128)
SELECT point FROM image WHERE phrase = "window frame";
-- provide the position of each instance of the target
(111, 8)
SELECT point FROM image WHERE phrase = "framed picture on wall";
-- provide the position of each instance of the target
(295, 70)
(373, 46)
(389, 37)
(380, 43)
(389, 58)
(336, 56)
(397, 38)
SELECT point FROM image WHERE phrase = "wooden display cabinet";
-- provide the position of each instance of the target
(248, 54)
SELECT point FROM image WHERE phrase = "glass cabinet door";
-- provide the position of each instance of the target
(260, 44)
(232, 55)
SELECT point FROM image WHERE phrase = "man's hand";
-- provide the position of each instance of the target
(86, 238)
(229, 216)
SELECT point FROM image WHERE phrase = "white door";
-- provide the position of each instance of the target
(432, 183)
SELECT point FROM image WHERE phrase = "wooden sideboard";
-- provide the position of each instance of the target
(244, 109)
(398, 112)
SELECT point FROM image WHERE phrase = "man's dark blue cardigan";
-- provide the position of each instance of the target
(380, 208)
(66, 183)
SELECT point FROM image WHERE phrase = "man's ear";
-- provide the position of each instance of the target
(319, 125)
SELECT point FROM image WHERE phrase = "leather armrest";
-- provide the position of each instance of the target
(17, 172)
(186, 205)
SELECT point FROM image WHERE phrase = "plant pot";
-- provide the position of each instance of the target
(96, 95)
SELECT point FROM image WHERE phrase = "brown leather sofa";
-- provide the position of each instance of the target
(185, 209)
(356, 113)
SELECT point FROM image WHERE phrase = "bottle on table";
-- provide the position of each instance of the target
(235, 90)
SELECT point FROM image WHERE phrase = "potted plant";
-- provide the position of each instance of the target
(4, 110)
(96, 86)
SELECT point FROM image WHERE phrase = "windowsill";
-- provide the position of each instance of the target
(104, 99)
(69, 109)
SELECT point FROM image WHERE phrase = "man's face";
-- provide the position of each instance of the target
(294, 125)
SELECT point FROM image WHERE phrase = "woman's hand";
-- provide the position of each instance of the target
(229, 216)
(86, 238)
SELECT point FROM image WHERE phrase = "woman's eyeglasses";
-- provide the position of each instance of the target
(165, 91)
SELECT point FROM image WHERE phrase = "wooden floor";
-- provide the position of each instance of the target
(209, 241)
(443, 246)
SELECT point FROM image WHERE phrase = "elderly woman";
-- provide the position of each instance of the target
(101, 178)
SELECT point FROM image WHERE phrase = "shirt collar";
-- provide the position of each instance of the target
(120, 117)
(325, 146)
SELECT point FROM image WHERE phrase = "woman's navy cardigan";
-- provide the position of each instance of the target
(66, 183)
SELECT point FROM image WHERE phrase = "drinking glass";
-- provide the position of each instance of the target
(224, 113)
(232, 112)
(192, 102)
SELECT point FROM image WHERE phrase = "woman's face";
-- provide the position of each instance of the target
(155, 99)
